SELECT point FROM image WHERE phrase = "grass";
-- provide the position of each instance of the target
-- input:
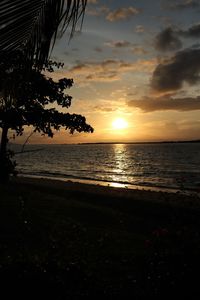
(96, 243)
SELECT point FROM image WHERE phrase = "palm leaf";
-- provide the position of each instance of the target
(33, 25)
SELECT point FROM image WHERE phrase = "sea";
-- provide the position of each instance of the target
(159, 166)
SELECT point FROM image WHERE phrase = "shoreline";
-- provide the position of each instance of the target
(116, 185)
(109, 193)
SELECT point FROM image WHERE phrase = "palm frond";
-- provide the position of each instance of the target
(33, 25)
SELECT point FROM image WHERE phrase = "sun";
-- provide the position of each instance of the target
(119, 123)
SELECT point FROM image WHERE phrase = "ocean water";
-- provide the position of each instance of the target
(164, 165)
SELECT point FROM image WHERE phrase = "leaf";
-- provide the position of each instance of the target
(33, 25)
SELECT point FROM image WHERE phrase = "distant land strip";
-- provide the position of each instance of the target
(130, 143)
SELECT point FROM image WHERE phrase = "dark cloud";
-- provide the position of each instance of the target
(148, 104)
(135, 49)
(195, 46)
(118, 44)
(192, 32)
(183, 5)
(184, 66)
(167, 40)
(98, 49)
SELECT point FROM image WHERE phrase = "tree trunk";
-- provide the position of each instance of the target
(4, 140)
(4, 172)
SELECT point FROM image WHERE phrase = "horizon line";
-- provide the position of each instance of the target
(104, 143)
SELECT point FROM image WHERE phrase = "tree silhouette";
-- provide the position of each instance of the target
(23, 100)
(28, 31)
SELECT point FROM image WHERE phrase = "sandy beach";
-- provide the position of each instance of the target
(150, 194)
(75, 240)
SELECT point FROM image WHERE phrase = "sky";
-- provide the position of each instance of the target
(138, 61)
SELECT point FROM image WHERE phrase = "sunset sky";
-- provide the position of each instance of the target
(138, 61)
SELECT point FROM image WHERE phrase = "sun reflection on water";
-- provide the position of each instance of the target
(120, 160)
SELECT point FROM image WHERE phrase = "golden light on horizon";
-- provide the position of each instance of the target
(119, 123)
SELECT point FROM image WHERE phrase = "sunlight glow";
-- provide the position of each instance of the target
(119, 123)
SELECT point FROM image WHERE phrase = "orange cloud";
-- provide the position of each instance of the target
(110, 70)
(138, 50)
(148, 104)
(122, 14)
(98, 11)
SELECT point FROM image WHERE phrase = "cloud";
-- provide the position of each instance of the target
(183, 5)
(118, 44)
(107, 109)
(122, 14)
(139, 29)
(192, 32)
(101, 77)
(98, 49)
(104, 71)
(170, 75)
(167, 40)
(138, 50)
(110, 69)
(148, 104)
(98, 11)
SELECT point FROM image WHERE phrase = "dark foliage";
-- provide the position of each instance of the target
(24, 97)
(33, 25)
